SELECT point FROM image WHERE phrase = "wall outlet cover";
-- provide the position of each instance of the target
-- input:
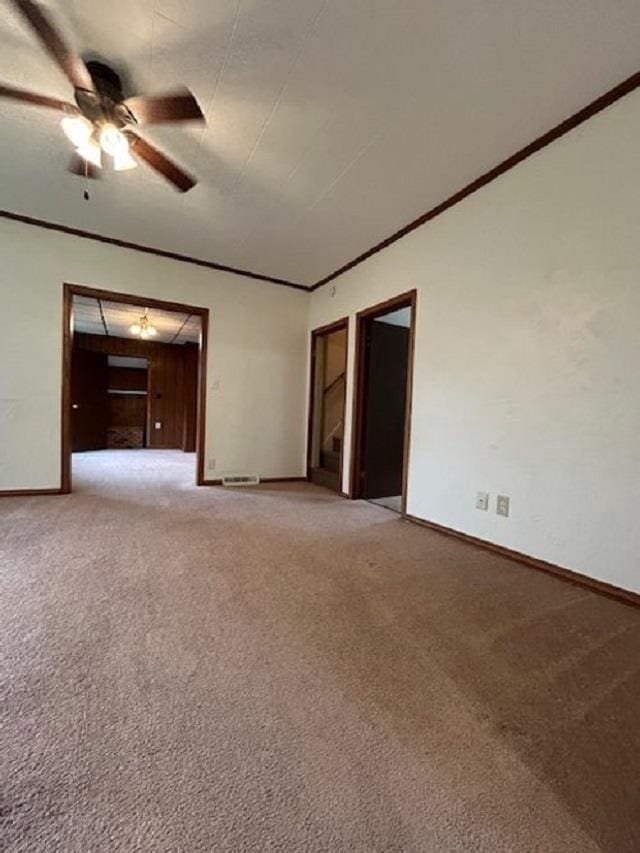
(158, 425)
(482, 501)
(502, 505)
(211, 466)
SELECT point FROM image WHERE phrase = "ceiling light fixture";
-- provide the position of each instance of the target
(143, 329)
(122, 161)
(77, 129)
(91, 152)
(112, 140)
(115, 143)
(102, 113)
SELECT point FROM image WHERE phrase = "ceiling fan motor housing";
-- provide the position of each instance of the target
(106, 102)
(106, 80)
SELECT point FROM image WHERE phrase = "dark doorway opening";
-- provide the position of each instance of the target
(109, 400)
(134, 377)
(325, 443)
(384, 364)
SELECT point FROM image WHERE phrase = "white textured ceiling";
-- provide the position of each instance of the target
(100, 317)
(331, 123)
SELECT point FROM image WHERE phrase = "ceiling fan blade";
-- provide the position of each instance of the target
(44, 28)
(79, 166)
(161, 163)
(155, 109)
(37, 100)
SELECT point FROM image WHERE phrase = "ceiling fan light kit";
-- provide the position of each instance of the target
(91, 152)
(77, 129)
(102, 119)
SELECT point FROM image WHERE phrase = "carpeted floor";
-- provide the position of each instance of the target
(394, 502)
(279, 669)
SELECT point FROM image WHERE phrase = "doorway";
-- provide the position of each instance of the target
(325, 443)
(109, 398)
(134, 378)
(382, 403)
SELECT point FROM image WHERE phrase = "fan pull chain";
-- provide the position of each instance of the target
(86, 178)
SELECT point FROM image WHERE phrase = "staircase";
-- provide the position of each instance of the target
(330, 459)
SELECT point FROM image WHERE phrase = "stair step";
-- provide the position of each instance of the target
(330, 460)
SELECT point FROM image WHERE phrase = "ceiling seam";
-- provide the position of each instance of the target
(223, 65)
(102, 317)
(177, 334)
(310, 30)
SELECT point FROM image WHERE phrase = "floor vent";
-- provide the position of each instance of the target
(242, 480)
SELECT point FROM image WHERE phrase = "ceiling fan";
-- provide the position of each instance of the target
(102, 120)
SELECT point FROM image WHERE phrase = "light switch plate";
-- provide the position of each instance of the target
(158, 424)
(482, 501)
(502, 505)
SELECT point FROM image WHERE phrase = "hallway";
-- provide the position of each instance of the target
(276, 668)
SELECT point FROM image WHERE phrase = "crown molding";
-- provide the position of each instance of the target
(607, 99)
(149, 250)
(626, 87)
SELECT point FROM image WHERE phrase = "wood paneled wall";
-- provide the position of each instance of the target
(127, 379)
(127, 411)
(168, 395)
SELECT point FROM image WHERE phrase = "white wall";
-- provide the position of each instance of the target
(527, 351)
(255, 421)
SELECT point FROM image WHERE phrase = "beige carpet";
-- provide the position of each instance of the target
(280, 669)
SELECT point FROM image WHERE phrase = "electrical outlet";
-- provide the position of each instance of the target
(482, 501)
(502, 505)
(211, 466)
(158, 424)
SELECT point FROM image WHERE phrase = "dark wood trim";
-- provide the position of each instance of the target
(601, 103)
(624, 596)
(336, 326)
(283, 480)
(26, 493)
(409, 405)
(149, 250)
(71, 290)
(201, 413)
(403, 300)
(624, 88)
(140, 301)
(66, 440)
(394, 303)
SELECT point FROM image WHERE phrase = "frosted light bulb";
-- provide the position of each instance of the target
(122, 161)
(90, 150)
(77, 129)
(113, 141)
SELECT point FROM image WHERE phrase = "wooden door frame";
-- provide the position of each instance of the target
(321, 331)
(71, 290)
(363, 318)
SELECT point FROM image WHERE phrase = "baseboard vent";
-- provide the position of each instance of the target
(241, 480)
